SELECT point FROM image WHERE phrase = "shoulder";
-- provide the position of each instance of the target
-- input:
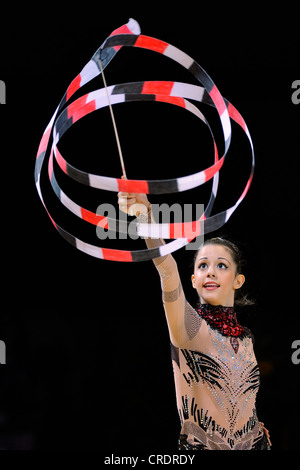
(192, 320)
(249, 334)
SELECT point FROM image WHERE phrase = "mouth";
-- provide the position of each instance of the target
(210, 286)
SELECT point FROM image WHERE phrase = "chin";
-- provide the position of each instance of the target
(210, 299)
(213, 298)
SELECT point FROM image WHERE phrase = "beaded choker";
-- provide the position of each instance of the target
(224, 320)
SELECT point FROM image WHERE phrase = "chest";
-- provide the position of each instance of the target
(212, 359)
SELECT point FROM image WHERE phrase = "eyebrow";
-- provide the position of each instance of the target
(220, 257)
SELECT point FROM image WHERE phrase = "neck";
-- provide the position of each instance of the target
(222, 318)
(220, 307)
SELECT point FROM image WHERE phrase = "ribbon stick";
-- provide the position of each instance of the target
(114, 122)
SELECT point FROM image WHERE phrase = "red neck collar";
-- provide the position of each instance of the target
(222, 319)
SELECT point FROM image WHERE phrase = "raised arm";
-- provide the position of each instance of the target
(172, 292)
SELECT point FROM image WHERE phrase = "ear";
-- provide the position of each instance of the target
(239, 281)
(193, 281)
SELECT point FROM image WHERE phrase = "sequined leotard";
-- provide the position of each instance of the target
(216, 380)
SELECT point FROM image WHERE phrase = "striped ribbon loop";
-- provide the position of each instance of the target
(174, 93)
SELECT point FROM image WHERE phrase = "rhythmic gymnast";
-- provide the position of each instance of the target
(215, 370)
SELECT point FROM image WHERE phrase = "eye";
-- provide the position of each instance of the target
(202, 265)
(222, 266)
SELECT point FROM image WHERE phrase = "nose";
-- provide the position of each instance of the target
(211, 272)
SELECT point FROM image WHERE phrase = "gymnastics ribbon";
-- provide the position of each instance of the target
(170, 92)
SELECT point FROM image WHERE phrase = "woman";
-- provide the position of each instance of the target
(215, 369)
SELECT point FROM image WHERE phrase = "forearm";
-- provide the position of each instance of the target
(164, 264)
(172, 292)
(138, 205)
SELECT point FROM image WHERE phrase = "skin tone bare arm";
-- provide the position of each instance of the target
(173, 296)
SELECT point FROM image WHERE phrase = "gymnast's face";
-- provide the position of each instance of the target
(215, 277)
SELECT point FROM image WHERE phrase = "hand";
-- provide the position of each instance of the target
(266, 433)
(133, 204)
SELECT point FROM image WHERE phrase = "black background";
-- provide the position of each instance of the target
(88, 363)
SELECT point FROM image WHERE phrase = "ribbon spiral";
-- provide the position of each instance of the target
(175, 93)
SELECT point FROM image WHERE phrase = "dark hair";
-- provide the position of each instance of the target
(241, 299)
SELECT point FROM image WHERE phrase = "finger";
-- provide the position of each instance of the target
(124, 194)
(138, 209)
(124, 201)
